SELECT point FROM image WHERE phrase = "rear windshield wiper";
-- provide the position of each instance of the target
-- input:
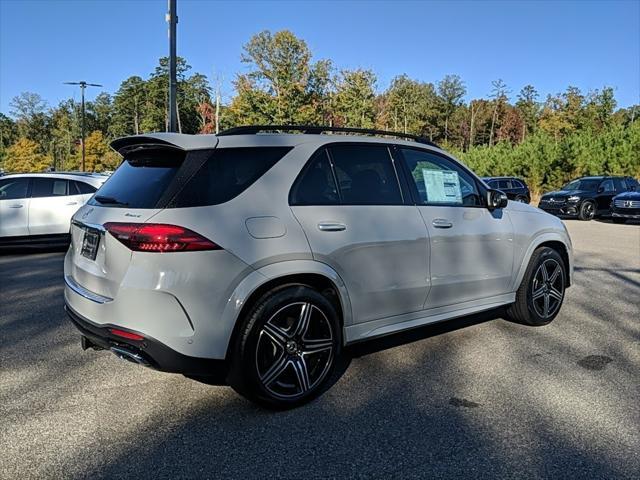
(109, 200)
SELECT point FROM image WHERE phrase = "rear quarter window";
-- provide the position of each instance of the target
(226, 174)
(81, 188)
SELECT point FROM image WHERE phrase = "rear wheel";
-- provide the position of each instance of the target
(587, 211)
(541, 293)
(286, 351)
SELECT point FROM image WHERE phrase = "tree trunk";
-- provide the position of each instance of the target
(473, 115)
(446, 127)
(493, 122)
(178, 115)
(136, 120)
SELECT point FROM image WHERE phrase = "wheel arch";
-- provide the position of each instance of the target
(306, 272)
(557, 243)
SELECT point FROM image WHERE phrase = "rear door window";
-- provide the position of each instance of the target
(619, 185)
(607, 186)
(365, 175)
(316, 185)
(49, 187)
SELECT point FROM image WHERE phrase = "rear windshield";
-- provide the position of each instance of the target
(220, 175)
(139, 181)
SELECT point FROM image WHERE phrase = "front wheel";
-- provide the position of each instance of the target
(285, 354)
(521, 199)
(541, 293)
(587, 211)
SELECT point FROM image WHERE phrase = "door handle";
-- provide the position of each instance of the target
(331, 227)
(442, 223)
(71, 203)
(16, 206)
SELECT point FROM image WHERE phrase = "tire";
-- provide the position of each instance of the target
(619, 220)
(287, 348)
(587, 211)
(521, 199)
(539, 301)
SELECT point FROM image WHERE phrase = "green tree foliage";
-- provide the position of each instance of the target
(128, 107)
(8, 135)
(408, 106)
(30, 113)
(529, 109)
(451, 90)
(283, 86)
(354, 103)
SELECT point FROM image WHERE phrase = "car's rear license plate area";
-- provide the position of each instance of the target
(90, 243)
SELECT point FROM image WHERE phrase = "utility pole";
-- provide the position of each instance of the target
(83, 85)
(172, 18)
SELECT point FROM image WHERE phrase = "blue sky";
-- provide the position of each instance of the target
(588, 44)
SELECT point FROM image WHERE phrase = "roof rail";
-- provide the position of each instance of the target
(314, 129)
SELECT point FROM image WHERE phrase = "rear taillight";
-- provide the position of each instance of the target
(125, 334)
(157, 237)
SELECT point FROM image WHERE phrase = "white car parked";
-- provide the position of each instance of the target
(37, 207)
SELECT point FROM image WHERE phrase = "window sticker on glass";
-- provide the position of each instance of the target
(443, 186)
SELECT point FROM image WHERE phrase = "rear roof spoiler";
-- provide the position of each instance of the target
(125, 145)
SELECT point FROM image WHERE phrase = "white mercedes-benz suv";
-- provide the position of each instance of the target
(253, 258)
(37, 207)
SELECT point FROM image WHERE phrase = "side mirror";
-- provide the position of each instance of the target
(600, 189)
(496, 199)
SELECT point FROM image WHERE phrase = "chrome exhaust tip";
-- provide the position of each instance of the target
(129, 356)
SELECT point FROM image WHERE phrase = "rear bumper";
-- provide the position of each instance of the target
(151, 352)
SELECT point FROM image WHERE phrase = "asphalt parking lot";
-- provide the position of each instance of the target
(480, 397)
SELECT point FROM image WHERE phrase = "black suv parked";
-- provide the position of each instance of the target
(514, 188)
(586, 197)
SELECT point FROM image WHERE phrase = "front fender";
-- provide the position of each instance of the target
(539, 239)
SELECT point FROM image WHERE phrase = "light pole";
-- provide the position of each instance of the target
(83, 85)
(172, 18)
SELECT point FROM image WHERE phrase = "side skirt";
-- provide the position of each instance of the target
(385, 326)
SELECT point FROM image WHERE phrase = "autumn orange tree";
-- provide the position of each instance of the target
(98, 155)
(25, 156)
